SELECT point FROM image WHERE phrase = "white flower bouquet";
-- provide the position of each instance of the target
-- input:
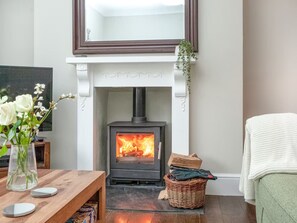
(19, 123)
(20, 119)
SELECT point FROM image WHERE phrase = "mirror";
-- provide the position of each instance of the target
(116, 20)
(133, 26)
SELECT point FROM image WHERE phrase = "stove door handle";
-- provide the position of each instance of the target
(159, 152)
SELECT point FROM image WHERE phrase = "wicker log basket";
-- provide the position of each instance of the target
(186, 194)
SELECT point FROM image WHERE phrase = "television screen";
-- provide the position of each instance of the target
(15, 80)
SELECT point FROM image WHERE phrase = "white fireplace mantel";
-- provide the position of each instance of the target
(84, 78)
(90, 77)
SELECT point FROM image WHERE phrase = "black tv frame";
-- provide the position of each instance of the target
(18, 80)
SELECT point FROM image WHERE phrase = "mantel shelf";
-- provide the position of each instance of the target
(122, 59)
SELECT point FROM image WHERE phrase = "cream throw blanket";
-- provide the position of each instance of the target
(270, 146)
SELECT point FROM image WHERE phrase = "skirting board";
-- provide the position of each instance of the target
(225, 185)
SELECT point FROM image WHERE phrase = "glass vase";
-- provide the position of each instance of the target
(22, 170)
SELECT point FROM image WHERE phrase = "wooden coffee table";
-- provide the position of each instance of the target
(74, 189)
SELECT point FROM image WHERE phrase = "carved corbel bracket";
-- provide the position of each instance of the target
(83, 80)
(180, 85)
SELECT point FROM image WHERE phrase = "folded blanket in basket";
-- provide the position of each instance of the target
(186, 174)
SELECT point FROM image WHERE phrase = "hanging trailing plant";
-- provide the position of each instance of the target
(184, 57)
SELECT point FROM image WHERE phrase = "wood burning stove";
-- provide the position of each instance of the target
(137, 147)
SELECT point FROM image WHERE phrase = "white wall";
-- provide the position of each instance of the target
(16, 32)
(52, 44)
(270, 56)
(216, 99)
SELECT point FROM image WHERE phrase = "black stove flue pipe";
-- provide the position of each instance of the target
(139, 94)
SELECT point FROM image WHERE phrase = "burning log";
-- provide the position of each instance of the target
(134, 153)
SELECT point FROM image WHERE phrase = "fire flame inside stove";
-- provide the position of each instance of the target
(135, 145)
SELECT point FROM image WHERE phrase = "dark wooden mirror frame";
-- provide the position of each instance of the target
(80, 46)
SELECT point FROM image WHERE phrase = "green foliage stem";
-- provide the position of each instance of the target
(184, 57)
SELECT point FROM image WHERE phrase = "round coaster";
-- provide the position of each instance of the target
(44, 192)
(19, 209)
